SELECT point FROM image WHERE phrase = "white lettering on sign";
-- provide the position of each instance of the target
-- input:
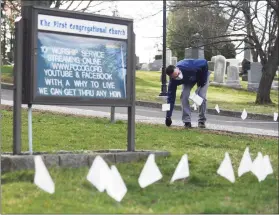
(87, 71)
(83, 27)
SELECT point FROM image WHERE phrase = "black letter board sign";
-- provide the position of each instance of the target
(78, 59)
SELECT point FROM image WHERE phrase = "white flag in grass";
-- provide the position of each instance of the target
(42, 177)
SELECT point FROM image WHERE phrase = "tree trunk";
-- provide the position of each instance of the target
(268, 74)
(263, 95)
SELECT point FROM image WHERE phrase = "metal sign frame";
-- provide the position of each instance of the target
(26, 30)
(30, 65)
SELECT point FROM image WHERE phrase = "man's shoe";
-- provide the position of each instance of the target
(187, 125)
(201, 125)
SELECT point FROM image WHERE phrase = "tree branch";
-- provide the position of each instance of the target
(69, 5)
(77, 6)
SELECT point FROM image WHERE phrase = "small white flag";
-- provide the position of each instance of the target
(244, 115)
(217, 108)
(258, 168)
(150, 172)
(99, 174)
(226, 169)
(116, 187)
(275, 116)
(194, 106)
(245, 163)
(182, 169)
(42, 177)
(196, 98)
(165, 107)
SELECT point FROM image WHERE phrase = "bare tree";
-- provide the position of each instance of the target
(259, 21)
(13, 10)
(256, 23)
(184, 21)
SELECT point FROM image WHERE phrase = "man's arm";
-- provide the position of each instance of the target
(171, 96)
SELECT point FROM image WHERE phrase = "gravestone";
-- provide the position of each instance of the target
(210, 65)
(156, 65)
(233, 62)
(194, 53)
(274, 85)
(174, 61)
(145, 67)
(213, 59)
(239, 69)
(227, 64)
(219, 69)
(233, 77)
(168, 57)
(254, 76)
(137, 63)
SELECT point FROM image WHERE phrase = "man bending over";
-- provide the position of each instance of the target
(187, 73)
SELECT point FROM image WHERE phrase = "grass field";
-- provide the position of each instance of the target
(203, 192)
(7, 74)
(148, 87)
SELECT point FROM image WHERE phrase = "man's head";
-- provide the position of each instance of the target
(173, 72)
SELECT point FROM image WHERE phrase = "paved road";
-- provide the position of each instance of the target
(154, 115)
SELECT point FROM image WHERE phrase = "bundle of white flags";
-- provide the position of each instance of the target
(107, 179)
(196, 99)
(260, 167)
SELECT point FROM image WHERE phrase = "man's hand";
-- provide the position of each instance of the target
(168, 121)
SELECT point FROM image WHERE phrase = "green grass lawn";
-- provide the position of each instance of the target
(7, 74)
(203, 192)
(148, 87)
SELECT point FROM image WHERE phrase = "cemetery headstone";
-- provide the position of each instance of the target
(219, 69)
(233, 77)
(213, 59)
(210, 65)
(227, 64)
(233, 62)
(174, 61)
(274, 85)
(156, 65)
(145, 67)
(168, 57)
(254, 76)
(137, 63)
(194, 53)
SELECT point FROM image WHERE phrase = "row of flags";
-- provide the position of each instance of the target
(108, 179)
(197, 101)
(261, 167)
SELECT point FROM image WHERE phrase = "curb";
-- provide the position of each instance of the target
(211, 111)
(7, 86)
(263, 117)
(25, 161)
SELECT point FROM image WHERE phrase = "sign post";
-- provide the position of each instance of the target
(79, 59)
(17, 93)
